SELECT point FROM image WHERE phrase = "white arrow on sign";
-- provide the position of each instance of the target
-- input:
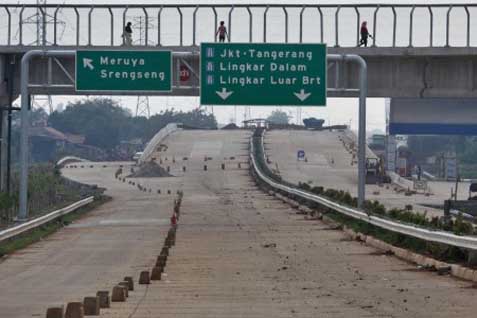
(224, 94)
(88, 63)
(302, 95)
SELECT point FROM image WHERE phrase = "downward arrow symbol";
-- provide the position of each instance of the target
(88, 63)
(224, 94)
(302, 95)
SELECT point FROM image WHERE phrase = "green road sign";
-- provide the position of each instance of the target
(125, 71)
(263, 74)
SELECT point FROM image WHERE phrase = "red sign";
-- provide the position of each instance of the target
(184, 73)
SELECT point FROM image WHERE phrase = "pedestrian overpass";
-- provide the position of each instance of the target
(416, 51)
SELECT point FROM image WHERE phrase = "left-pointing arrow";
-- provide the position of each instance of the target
(88, 63)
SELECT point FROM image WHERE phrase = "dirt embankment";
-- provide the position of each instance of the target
(149, 170)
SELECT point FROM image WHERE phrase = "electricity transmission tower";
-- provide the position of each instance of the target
(139, 23)
(41, 21)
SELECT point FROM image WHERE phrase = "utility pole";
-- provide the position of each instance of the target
(298, 116)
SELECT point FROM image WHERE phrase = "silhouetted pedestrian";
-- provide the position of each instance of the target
(127, 34)
(364, 34)
(222, 32)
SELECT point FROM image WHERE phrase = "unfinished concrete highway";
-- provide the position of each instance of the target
(239, 252)
(329, 164)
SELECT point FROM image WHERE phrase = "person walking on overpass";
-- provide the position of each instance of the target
(222, 32)
(127, 34)
(364, 34)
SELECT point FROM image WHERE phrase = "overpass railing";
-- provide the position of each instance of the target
(400, 25)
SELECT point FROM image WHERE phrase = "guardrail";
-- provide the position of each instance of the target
(69, 159)
(36, 222)
(157, 139)
(467, 242)
(188, 25)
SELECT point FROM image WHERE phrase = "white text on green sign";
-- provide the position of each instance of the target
(128, 71)
(263, 74)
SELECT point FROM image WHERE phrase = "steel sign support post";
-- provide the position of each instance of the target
(25, 123)
(25, 113)
(363, 93)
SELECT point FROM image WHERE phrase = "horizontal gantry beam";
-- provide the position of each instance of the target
(398, 72)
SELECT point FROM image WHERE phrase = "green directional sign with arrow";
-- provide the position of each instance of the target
(126, 71)
(263, 74)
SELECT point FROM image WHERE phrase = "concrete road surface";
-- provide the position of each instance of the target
(239, 252)
(117, 239)
(329, 165)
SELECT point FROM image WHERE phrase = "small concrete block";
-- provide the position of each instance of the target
(144, 278)
(91, 306)
(165, 251)
(55, 312)
(74, 310)
(104, 300)
(161, 260)
(156, 273)
(130, 281)
(125, 285)
(118, 294)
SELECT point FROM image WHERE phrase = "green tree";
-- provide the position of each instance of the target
(100, 120)
(105, 123)
(278, 117)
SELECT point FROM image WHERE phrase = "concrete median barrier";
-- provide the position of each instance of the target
(55, 312)
(165, 251)
(118, 294)
(156, 273)
(91, 306)
(161, 261)
(144, 278)
(104, 299)
(74, 310)
(125, 285)
(130, 281)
